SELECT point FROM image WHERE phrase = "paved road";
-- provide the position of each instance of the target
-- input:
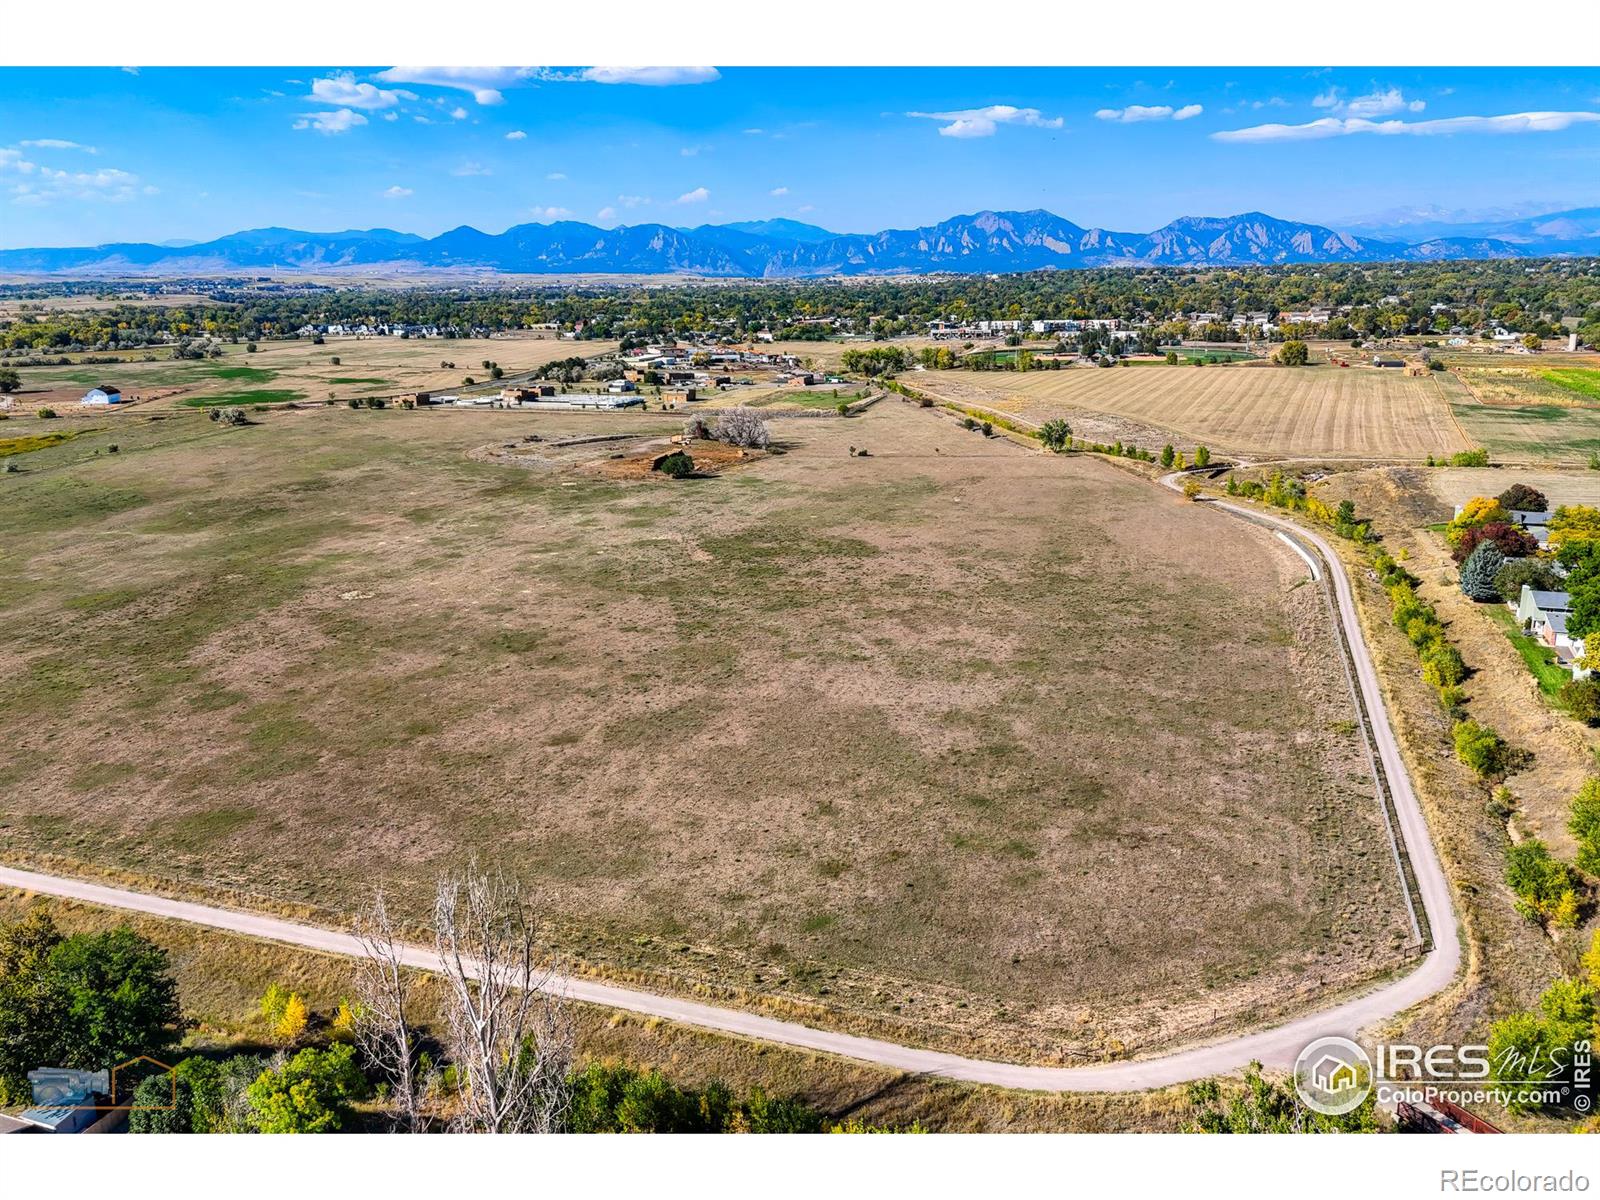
(1276, 1046)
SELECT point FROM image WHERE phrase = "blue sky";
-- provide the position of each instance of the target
(102, 154)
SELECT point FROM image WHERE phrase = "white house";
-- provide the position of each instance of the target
(104, 394)
(1535, 608)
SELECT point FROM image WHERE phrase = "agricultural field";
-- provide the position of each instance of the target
(300, 370)
(1314, 411)
(929, 743)
(1531, 411)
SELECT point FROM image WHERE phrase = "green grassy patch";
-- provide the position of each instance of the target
(1542, 661)
(808, 399)
(242, 374)
(1583, 380)
(361, 379)
(260, 396)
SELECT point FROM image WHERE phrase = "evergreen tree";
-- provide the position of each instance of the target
(1478, 572)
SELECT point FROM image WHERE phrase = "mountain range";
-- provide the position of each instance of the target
(984, 242)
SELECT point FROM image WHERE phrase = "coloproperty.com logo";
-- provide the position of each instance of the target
(1334, 1075)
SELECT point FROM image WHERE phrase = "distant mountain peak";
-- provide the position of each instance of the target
(987, 241)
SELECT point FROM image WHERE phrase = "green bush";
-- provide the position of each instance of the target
(1481, 748)
(1543, 885)
(1582, 699)
(1470, 458)
(1442, 665)
(617, 1099)
(162, 1104)
(46, 414)
(1584, 825)
(676, 465)
(311, 1093)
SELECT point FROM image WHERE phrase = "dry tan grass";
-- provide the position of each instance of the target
(955, 742)
(1354, 412)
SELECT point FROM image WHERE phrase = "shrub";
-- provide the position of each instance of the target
(1582, 699)
(162, 1104)
(1168, 455)
(741, 427)
(1056, 435)
(1519, 497)
(676, 465)
(230, 416)
(1585, 826)
(1294, 353)
(843, 408)
(1478, 572)
(1470, 458)
(988, 428)
(1442, 665)
(1191, 489)
(46, 414)
(697, 428)
(1543, 885)
(311, 1093)
(1481, 748)
(1202, 456)
(249, 347)
(334, 360)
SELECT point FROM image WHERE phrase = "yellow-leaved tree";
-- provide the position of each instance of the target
(293, 1021)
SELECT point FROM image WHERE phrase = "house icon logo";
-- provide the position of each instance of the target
(1333, 1075)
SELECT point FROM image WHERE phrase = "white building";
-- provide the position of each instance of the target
(104, 394)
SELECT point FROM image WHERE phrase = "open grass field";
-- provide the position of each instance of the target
(958, 743)
(1530, 411)
(1253, 410)
(300, 370)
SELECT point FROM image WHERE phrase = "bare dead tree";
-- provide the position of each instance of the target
(741, 427)
(509, 1031)
(382, 1029)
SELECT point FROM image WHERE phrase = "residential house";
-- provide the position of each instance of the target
(1535, 608)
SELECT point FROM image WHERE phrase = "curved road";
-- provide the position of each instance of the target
(1275, 1047)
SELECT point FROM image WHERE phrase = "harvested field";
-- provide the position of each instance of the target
(957, 743)
(1532, 412)
(1328, 412)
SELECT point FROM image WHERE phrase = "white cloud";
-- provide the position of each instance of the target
(779, 191)
(516, 135)
(691, 151)
(755, 132)
(699, 196)
(44, 185)
(805, 208)
(1376, 103)
(650, 76)
(342, 90)
(458, 113)
(1149, 112)
(484, 83)
(606, 214)
(131, 70)
(397, 192)
(391, 115)
(632, 201)
(555, 176)
(982, 122)
(57, 144)
(468, 169)
(340, 120)
(549, 214)
(1381, 104)
(1326, 127)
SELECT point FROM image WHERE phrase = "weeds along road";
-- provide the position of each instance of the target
(1276, 1046)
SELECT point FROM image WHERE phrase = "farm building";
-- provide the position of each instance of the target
(1380, 361)
(678, 395)
(104, 394)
